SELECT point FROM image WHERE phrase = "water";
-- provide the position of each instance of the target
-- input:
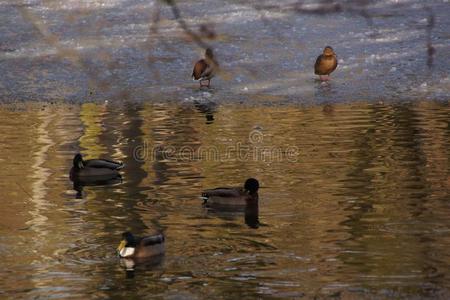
(354, 200)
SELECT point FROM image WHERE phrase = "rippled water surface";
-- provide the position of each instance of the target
(354, 200)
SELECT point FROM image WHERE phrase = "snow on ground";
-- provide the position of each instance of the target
(112, 50)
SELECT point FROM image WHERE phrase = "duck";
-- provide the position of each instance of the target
(205, 69)
(326, 63)
(141, 247)
(232, 197)
(94, 170)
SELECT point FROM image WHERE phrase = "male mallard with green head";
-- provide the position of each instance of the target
(326, 63)
(235, 197)
(94, 169)
(145, 247)
(205, 69)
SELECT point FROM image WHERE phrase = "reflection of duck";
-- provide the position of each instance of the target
(207, 108)
(232, 197)
(131, 264)
(205, 69)
(94, 170)
(326, 63)
(145, 247)
(328, 108)
(252, 214)
(78, 184)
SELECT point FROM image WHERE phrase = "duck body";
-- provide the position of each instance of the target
(202, 71)
(205, 69)
(326, 63)
(141, 247)
(232, 197)
(226, 196)
(94, 170)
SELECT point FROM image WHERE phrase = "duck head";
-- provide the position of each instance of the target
(78, 161)
(127, 245)
(251, 185)
(209, 53)
(328, 51)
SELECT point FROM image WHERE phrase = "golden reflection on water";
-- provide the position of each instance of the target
(360, 210)
(92, 115)
(40, 174)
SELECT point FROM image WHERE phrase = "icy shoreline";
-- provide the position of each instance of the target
(99, 50)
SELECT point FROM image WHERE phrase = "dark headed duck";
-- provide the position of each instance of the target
(144, 247)
(238, 196)
(94, 169)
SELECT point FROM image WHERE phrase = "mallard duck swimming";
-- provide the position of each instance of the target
(91, 170)
(135, 247)
(326, 63)
(235, 197)
(205, 69)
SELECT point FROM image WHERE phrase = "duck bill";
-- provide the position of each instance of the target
(121, 246)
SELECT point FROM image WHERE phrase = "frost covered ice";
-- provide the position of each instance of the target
(96, 50)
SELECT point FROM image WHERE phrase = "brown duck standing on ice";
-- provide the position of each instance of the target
(205, 69)
(326, 63)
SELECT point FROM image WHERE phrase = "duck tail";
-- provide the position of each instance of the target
(160, 237)
(154, 240)
(204, 197)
